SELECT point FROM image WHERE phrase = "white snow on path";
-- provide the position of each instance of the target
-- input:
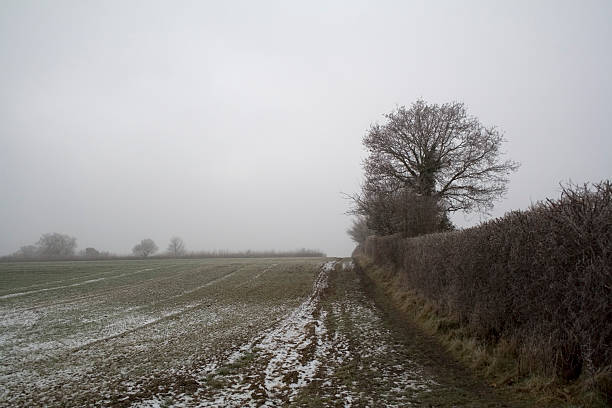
(273, 368)
(283, 347)
(291, 337)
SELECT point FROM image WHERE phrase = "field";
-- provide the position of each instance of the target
(216, 332)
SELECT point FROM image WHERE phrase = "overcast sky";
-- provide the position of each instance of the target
(237, 125)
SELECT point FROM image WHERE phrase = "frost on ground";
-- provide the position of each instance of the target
(79, 340)
(332, 349)
(365, 363)
(271, 368)
(215, 333)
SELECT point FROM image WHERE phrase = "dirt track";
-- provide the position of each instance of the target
(338, 348)
(227, 334)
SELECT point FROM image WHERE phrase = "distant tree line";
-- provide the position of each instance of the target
(56, 246)
(298, 253)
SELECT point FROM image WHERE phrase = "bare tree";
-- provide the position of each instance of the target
(27, 252)
(439, 151)
(434, 159)
(145, 248)
(399, 210)
(176, 247)
(359, 231)
(56, 245)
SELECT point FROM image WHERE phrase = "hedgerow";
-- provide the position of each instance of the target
(540, 278)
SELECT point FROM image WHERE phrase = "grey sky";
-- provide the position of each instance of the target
(238, 124)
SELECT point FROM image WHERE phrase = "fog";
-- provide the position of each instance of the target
(238, 125)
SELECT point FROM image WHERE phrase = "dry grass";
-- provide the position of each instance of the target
(501, 363)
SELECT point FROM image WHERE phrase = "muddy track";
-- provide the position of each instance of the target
(339, 344)
(457, 386)
(269, 370)
(343, 347)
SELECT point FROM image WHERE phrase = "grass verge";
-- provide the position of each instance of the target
(501, 365)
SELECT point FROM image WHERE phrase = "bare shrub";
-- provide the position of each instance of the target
(359, 230)
(541, 278)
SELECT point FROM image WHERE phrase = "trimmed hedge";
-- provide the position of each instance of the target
(541, 278)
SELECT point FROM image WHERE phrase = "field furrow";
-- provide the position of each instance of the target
(211, 333)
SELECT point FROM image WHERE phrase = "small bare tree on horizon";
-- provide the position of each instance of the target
(145, 248)
(56, 245)
(176, 247)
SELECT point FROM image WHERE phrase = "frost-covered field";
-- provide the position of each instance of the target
(117, 332)
(208, 333)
